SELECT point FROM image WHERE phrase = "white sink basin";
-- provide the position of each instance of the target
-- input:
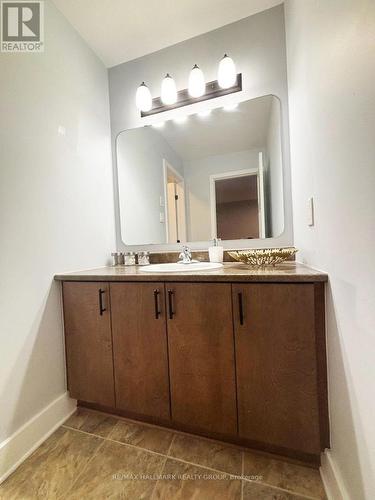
(178, 268)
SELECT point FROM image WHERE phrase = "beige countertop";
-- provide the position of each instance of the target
(230, 272)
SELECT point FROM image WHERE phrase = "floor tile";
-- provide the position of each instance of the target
(257, 491)
(187, 482)
(118, 471)
(77, 419)
(207, 453)
(51, 470)
(291, 477)
(73, 465)
(151, 438)
(93, 422)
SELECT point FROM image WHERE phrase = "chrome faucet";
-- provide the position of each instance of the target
(185, 255)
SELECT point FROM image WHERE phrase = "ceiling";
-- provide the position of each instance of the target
(121, 30)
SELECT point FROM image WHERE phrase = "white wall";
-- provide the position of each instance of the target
(275, 171)
(256, 43)
(197, 182)
(56, 207)
(140, 153)
(331, 74)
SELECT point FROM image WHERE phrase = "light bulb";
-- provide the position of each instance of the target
(197, 85)
(168, 90)
(227, 73)
(143, 99)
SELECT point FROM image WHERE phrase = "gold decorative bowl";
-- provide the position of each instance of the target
(263, 256)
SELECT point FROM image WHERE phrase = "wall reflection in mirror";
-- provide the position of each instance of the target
(211, 174)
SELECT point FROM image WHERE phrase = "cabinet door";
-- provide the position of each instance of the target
(201, 356)
(276, 365)
(88, 342)
(140, 348)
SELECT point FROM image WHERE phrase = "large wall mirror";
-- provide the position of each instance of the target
(210, 174)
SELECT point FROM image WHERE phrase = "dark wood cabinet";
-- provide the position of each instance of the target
(244, 362)
(201, 356)
(88, 342)
(277, 365)
(140, 348)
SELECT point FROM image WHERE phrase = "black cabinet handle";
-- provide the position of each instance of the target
(170, 303)
(240, 306)
(101, 308)
(156, 302)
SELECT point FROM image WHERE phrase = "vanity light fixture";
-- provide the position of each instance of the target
(197, 85)
(227, 72)
(143, 99)
(198, 90)
(168, 90)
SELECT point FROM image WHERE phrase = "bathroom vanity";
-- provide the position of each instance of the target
(236, 354)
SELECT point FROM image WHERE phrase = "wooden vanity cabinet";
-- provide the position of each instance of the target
(242, 362)
(278, 365)
(88, 342)
(140, 349)
(201, 356)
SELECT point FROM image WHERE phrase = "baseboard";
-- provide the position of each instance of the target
(332, 479)
(15, 449)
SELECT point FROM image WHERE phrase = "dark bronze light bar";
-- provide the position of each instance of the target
(184, 99)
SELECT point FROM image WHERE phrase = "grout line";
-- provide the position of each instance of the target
(179, 432)
(111, 432)
(83, 432)
(234, 476)
(170, 446)
(139, 422)
(155, 452)
(239, 447)
(118, 442)
(137, 447)
(83, 468)
(163, 466)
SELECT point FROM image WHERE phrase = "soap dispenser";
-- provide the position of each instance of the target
(216, 252)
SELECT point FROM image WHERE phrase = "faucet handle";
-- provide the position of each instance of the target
(185, 255)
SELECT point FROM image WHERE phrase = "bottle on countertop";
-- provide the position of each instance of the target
(216, 252)
(118, 258)
(115, 257)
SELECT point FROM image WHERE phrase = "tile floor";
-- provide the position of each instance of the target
(98, 456)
